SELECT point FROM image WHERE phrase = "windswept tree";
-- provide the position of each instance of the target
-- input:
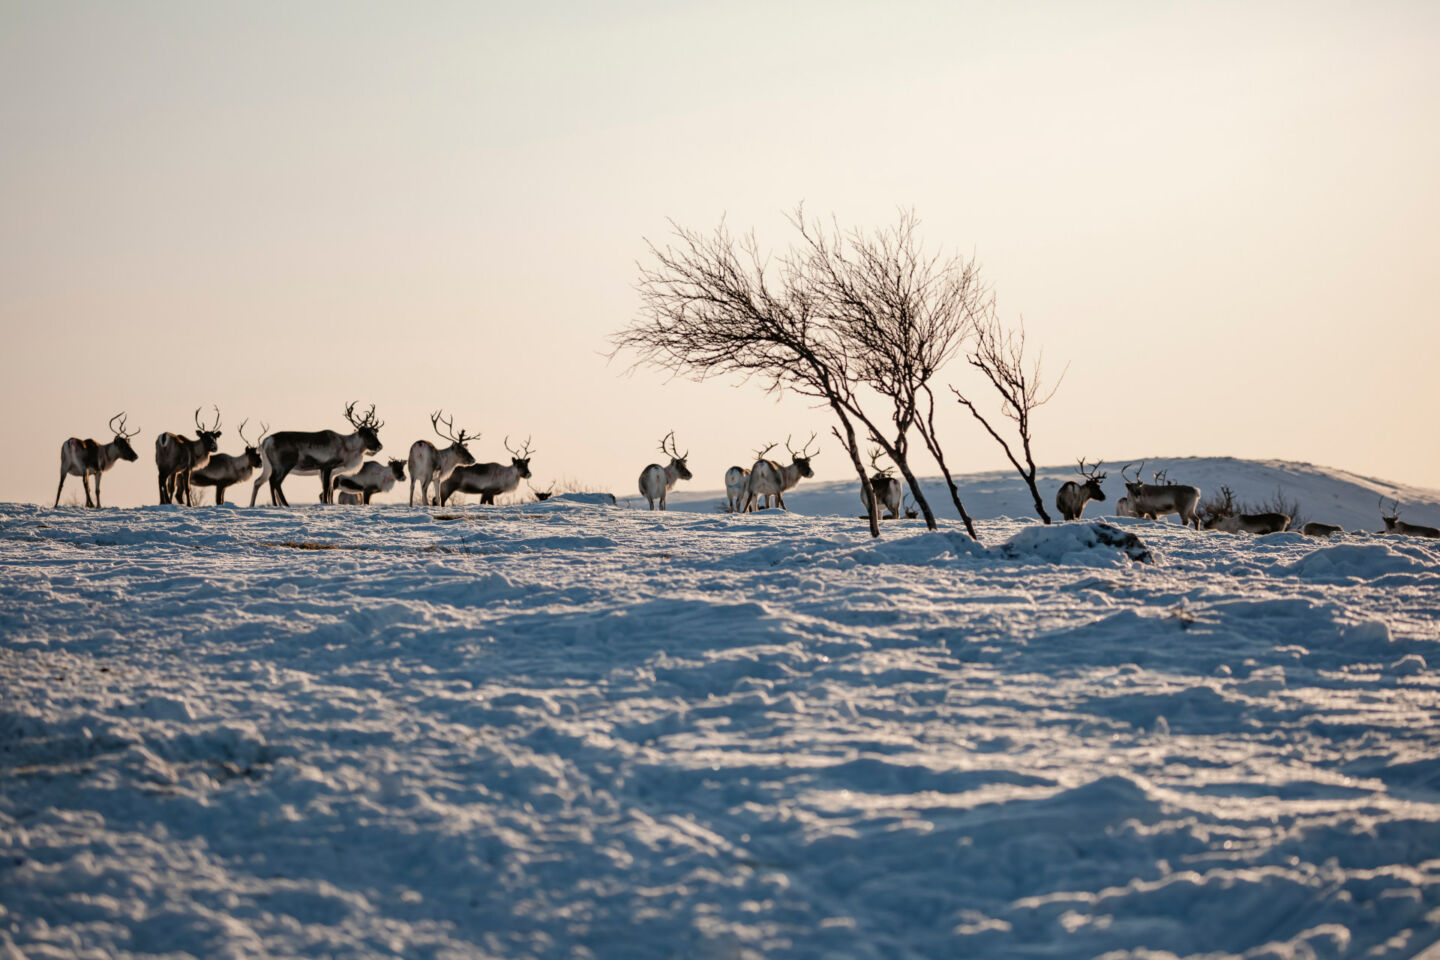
(904, 314)
(839, 314)
(712, 305)
(998, 352)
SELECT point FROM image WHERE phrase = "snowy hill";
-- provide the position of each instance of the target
(1324, 493)
(565, 730)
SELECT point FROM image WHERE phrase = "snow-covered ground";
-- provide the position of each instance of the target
(572, 730)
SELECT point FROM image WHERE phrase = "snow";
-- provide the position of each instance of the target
(567, 729)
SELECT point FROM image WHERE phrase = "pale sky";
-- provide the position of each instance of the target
(1224, 216)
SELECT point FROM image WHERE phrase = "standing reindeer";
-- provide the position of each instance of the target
(374, 477)
(886, 489)
(489, 479)
(176, 457)
(1393, 523)
(225, 470)
(656, 481)
(735, 479)
(770, 478)
(87, 458)
(1152, 501)
(1071, 499)
(429, 465)
(324, 452)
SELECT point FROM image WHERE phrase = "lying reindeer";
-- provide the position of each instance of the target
(1071, 499)
(87, 458)
(225, 470)
(1153, 501)
(177, 457)
(1393, 524)
(489, 480)
(324, 452)
(768, 478)
(374, 477)
(1314, 529)
(430, 465)
(656, 481)
(1256, 523)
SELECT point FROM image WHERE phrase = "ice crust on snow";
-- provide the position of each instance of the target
(567, 730)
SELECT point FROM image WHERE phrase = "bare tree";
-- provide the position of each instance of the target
(999, 354)
(712, 305)
(903, 314)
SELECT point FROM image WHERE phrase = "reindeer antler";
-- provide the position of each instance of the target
(366, 421)
(1396, 508)
(760, 454)
(200, 427)
(875, 453)
(241, 430)
(520, 454)
(119, 430)
(804, 453)
(673, 450)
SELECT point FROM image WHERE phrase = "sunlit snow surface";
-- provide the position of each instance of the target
(567, 730)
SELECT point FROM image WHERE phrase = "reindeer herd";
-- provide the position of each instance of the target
(338, 458)
(441, 471)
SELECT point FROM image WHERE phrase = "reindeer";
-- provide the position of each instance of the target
(86, 458)
(656, 481)
(1156, 500)
(1316, 529)
(1393, 524)
(886, 489)
(374, 477)
(176, 457)
(542, 495)
(770, 478)
(1256, 523)
(324, 452)
(1071, 499)
(225, 470)
(489, 479)
(429, 465)
(735, 479)
(1123, 508)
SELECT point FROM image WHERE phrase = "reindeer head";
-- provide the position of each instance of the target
(543, 495)
(208, 435)
(1393, 517)
(462, 453)
(677, 459)
(1093, 479)
(520, 459)
(803, 458)
(397, 467)
(367, 427)
(252, 450)
(122, 438)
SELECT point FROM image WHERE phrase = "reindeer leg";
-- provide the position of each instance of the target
(61, 487)
(97, 490)
(326, 478)
(85, 482)
(220, 494)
